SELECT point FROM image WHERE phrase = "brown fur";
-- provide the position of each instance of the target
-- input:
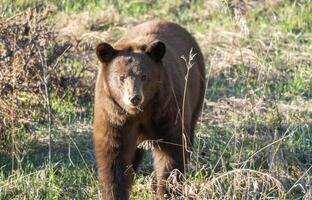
(118, 128)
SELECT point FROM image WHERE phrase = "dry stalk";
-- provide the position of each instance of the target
(46, 93)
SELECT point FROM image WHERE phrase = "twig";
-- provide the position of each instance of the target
(45, 81)
(189, 65)
(295, 184)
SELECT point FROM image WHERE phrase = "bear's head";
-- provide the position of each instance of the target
(132, 73)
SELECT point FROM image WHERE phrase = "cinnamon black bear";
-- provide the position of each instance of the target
(141, 95)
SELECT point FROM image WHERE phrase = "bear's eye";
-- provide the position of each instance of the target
(122, 78)
(143, 77)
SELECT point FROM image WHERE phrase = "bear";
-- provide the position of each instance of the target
(145, 91)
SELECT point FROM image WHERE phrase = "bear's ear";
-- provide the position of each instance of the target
(105, 52)
(156, 50)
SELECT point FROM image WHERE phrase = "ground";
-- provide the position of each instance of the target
(253, 139)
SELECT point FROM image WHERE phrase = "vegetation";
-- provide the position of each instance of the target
(254, 138)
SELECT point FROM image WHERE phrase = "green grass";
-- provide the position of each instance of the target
(254, 139)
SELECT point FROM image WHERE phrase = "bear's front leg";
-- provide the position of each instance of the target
(114, 151)
(167, 157)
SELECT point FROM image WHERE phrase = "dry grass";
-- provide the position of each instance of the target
(254, 137)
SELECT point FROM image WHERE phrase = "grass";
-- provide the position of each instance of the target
(254, 138)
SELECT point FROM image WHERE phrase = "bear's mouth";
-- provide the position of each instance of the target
(134, 109)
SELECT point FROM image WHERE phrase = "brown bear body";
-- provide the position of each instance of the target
(140, 95)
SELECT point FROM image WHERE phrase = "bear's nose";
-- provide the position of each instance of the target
(135, 99)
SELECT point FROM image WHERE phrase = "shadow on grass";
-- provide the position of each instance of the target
(73, 149)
